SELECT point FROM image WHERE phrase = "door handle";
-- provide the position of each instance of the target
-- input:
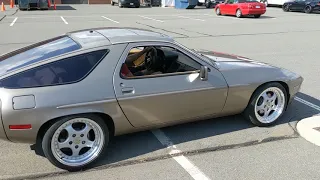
(127, 90)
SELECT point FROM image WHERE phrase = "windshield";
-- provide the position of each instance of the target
(203, 57)
(37, 53)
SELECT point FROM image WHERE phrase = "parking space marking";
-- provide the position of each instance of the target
(193, 170)
(191, 18)
(64, 20)
(308, 103)
(150, 18)
(110, 19)
(15, 19)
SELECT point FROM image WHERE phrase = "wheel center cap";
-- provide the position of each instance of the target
(77, 140)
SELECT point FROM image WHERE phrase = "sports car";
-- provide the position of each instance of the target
(240, 8)
(70, 94)
(306, 6)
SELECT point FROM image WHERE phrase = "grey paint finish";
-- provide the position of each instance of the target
(150, 102)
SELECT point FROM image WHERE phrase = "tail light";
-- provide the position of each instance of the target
(318, 3)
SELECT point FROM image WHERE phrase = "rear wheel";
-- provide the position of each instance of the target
(267, 104)
(75, 142)
(257, 15)
(238, 13)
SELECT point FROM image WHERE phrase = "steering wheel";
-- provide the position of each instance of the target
(150, 58)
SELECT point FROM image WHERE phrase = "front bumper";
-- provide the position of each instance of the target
(127, 3)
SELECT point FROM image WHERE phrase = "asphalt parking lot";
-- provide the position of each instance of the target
(223, 148)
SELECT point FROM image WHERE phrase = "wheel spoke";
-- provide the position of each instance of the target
(64, 144)
(89, 143)
(85, 131)
(70, 130)
(273, 97)
(75, 151)
(266, 113)
(261, 107)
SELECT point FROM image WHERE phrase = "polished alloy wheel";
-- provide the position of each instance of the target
(77, 142)
(218, 11)
(269, 105)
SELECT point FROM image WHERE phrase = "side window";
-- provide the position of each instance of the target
(64, 71)
(157, 60)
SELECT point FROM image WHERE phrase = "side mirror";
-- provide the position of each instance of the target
(204, 73)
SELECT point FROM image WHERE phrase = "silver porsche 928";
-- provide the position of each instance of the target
(71, 93)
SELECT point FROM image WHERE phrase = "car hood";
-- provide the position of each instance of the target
(227, 61)
(223, 57)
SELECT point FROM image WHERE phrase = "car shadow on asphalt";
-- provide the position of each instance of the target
(130, 146)
(250, 17)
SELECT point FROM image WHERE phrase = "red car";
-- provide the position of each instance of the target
(241, 8)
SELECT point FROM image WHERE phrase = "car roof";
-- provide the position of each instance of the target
(115, 35)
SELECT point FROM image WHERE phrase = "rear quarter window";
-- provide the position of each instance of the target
(36, 53)
(65, 71)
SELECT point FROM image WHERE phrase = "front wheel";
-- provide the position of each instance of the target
(267, 104)
(218, 12)
(75, 142)
(286, 8)
(308, 9)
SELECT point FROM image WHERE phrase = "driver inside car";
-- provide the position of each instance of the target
(129, 64)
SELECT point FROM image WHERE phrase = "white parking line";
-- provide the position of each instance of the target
(64, 20)
(191, 18)
(193, 170)
(15, 19)
(151, 18)
(109, 19)
(308, 103)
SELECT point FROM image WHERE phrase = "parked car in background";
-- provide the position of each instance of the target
(210, 3)
(72, 93)
(274, 2)
(306, 6)
(241, 8)
(126, 3)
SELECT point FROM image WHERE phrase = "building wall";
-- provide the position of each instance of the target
(7, 2)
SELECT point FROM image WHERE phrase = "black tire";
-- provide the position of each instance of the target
(46, 141)
(308, 9)
(218, 12)
(249, 112)
(257, 16)
(238, 13)
(208, 4)
(286, 8)
(112, 3)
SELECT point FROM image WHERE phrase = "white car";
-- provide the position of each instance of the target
(274, 2)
